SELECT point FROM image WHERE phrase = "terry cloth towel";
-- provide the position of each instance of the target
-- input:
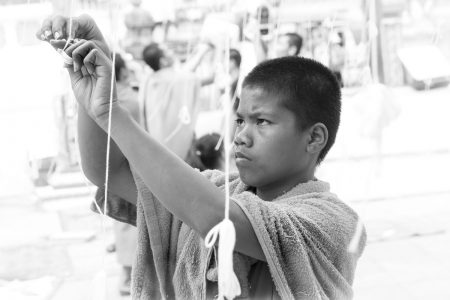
(169, 105)
(304, 234)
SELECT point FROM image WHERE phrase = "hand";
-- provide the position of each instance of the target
(90, 77)
(55, 30)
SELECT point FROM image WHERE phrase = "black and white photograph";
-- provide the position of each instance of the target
(224, 149)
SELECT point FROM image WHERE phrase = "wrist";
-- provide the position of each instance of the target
(115, 111)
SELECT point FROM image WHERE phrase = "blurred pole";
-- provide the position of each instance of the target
(376, 59)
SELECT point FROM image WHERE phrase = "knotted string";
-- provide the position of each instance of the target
(228, 283)
(69, 37)
(100, 281)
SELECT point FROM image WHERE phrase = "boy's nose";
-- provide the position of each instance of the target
(242, 138)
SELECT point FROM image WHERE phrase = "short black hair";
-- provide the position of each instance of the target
(152, 55)
(306, 87)
(235, 55)
(206, 153)
(295, 40)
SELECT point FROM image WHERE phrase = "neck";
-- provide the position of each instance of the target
(271, 191)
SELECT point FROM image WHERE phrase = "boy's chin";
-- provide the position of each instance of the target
(248, 178)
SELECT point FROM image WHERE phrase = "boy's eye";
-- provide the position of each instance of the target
(262, 122)
(239, 121)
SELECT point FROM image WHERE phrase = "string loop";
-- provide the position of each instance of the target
(228, 283)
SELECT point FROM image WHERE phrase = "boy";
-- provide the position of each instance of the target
(292, 233)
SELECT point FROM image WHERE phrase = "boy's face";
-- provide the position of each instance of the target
(270, 146)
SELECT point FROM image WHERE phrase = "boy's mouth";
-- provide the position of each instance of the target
(241, 156)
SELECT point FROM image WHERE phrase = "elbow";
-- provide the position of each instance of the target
(94, 175)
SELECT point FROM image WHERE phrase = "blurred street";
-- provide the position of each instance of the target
(53, 246)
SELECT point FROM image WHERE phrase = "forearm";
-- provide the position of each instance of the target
(185, 192)
(180, 188)
(92, 144)
(207, 80)
(193, 62)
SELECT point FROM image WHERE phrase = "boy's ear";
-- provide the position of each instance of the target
(318, 134)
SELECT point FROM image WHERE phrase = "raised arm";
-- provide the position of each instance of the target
(193, 62)
(185, 192)
(92, 144)
(92, 139)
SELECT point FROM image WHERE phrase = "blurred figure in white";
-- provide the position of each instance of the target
(234, 71)
(169, 97)
(337, 55)
(319, 42)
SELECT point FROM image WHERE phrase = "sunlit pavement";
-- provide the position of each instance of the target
(401, 192)
(54, 247)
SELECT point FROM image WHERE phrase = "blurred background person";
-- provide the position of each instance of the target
(139, 25)
(169, 97)
(288, 44)
(337, 55)
(206, 153)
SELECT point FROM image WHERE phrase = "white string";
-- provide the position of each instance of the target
(373, 44)
(219, 142)
(330, 22)
(100, 278)
(222, 133)
(228, 284)
(277, 28)
(227, 129)
(69, 37)
(108, 142)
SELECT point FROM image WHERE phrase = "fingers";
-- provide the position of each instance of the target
(69, 50)
(45, 31)
(51, 28)
(82, 70)
(88, 59)
(78, 52)
(58, 27)
(58, 44)
(97, 63)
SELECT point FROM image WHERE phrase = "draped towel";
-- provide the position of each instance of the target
(304, 235)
